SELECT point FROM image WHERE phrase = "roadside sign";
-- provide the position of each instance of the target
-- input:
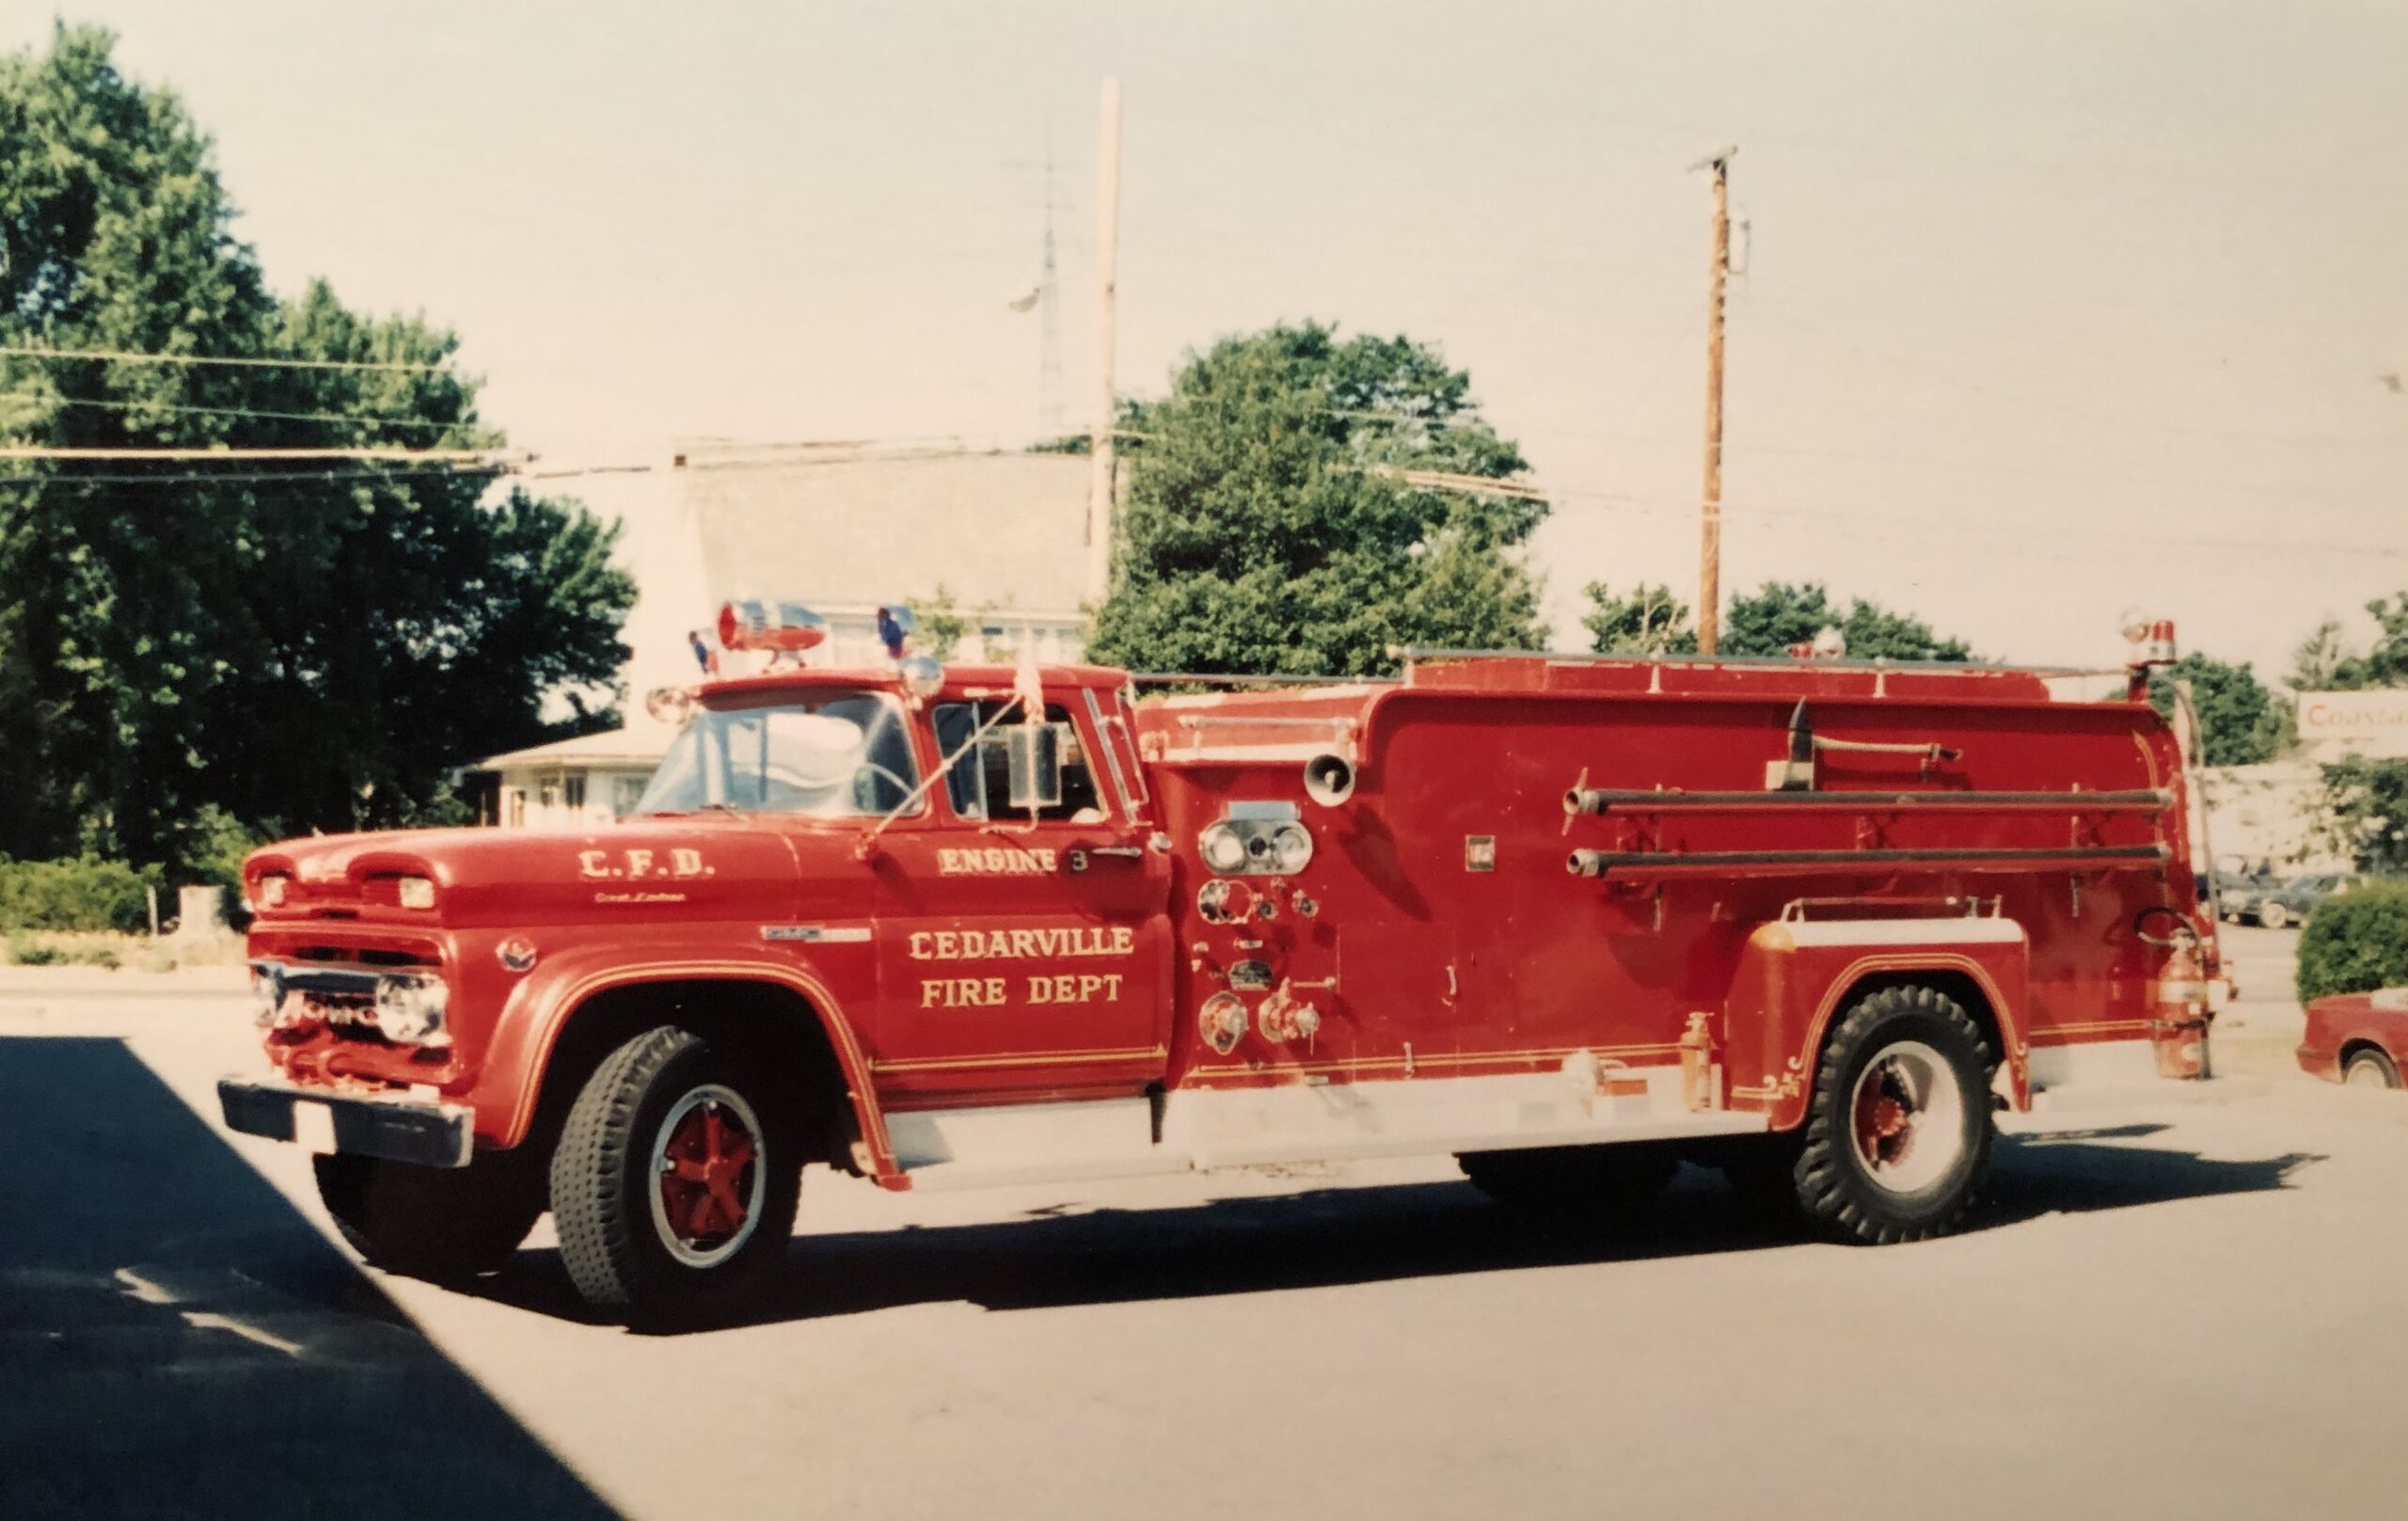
(2363, 723)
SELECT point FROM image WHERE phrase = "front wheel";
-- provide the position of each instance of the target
(2273, 915)
(675, 1183)
(1897, 1138)
(443, 1224)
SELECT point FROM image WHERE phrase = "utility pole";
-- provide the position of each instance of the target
(1049, 317)
(1107, 277)
(1709, 560)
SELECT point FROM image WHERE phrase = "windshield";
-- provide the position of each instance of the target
(842, 754)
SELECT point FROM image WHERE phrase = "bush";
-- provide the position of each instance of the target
(88, 893)
(63, 950)
(24, 951)
(211, 846)
(2355, 942)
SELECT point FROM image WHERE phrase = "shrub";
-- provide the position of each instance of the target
(2356, 942)
(26, 951)
(87, 893)
(211, 848)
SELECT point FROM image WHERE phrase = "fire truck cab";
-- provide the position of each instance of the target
(1573, 921)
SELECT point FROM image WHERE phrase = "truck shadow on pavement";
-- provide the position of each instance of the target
(176, 1340)
(1333, 1237)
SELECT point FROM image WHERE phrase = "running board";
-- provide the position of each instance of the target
(1205, 1128)
(2073, 1085)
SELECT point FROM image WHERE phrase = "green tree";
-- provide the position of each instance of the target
(2316, 664)
(2367, 811)
(942, 625)
(2366, 801)
(1271, 523)
(2241, 722)
(1649, 621)
(1764, 621)
(1774, 616)
(264, 647)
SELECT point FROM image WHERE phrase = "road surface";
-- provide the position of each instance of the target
(2198, 1313)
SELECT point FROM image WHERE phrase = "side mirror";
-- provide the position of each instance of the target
(1032, 760)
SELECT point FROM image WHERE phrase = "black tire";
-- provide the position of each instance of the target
(1572, 1179)
(1867, 1170)
(2369, 1070)
(628, 1258)
(444, 1224)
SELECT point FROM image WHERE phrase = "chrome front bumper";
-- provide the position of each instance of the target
(397, 1128)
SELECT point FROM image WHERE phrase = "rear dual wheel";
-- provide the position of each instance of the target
(1898, 1136)
(675, 1183)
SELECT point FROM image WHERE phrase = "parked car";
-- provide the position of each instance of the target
(2358, 1040)
(2298, 898)
(2238, 896)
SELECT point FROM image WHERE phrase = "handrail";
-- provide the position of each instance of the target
(1421, 652)
(1642, 801)
(1268, 679)
(1842, 862)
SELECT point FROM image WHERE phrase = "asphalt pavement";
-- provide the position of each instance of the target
(2186, 1312)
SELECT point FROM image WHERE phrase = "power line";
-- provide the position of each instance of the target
(116, 404)
(173, 456)
(39, 483)
(133, 357)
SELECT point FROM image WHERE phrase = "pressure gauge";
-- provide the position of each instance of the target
(1222, 848)
(1291, 848)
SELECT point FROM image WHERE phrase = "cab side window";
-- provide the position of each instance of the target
(979, 782)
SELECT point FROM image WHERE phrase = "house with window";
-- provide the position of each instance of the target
(1000, 537)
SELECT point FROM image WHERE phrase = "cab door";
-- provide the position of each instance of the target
(1019, 956)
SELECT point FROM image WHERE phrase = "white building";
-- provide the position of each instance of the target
(2271, 813)
(844, 530)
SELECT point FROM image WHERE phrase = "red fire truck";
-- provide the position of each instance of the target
(1572, 921)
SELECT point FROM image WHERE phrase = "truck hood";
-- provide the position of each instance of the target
(687, 867)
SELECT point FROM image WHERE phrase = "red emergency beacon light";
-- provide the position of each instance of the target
(780, 628)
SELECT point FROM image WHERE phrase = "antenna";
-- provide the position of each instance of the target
(1049, 316)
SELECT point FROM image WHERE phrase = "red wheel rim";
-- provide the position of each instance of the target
(706, 1165)
(1908, 1117)
(1885, 1117)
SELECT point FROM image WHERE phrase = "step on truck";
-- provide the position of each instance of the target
(1572, 921)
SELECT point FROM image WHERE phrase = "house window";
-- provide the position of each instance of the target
(573, 792)
(626, 792)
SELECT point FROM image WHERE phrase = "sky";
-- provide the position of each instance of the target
(2049, 310)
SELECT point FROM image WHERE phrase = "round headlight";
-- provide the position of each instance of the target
(410, 1007)
(1291, 848)
(1222, 848)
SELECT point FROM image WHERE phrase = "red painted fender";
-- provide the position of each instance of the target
(1788, 990)
(541, 1007)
